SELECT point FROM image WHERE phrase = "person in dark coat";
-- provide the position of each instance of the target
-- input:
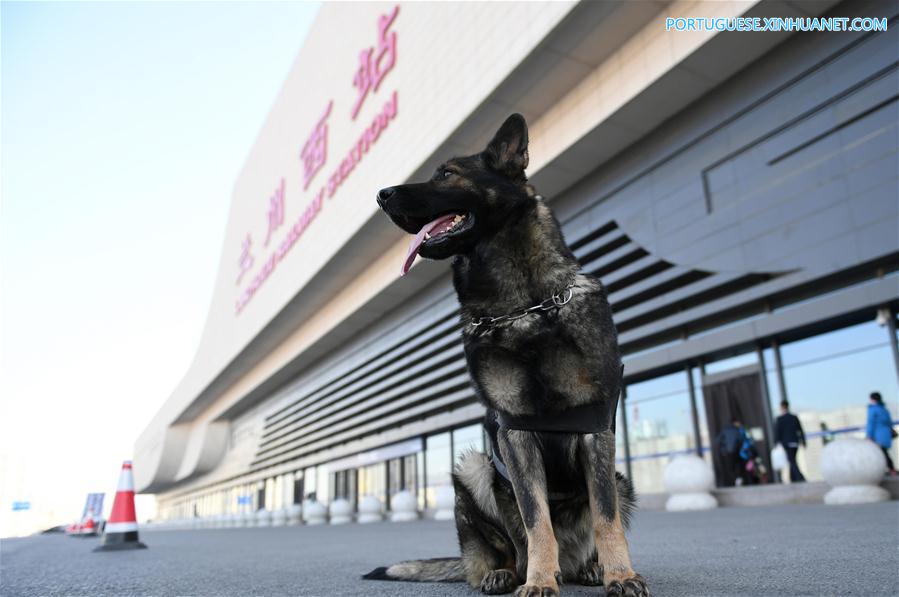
(729, 443)
(880, 428)
(789, 434)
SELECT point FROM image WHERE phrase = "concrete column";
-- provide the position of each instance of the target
(766, 408)
(894, 346)
(781, 381)
(627, 444)
(694, 411)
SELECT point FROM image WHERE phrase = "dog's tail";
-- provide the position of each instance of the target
(433, 570)
(627, 498)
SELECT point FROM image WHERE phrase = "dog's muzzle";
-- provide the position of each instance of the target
(384, 195)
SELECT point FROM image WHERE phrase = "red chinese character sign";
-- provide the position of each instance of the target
(275, 212)
(315, 151)
(245, 261)
(374, 64)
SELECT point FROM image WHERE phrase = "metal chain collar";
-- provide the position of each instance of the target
(554, 302)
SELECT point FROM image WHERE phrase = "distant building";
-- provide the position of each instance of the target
(735, 192)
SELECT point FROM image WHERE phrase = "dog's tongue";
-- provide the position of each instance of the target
(420, 238)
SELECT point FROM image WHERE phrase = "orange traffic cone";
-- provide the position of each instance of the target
(121, 528)
(88, 527)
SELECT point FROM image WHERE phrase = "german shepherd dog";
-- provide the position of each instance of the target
(547, 505)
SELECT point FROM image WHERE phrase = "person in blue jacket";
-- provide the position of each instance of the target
(880, 428)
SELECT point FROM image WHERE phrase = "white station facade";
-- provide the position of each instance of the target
(736, 193)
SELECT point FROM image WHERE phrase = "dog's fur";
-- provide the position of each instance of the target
(564, 513)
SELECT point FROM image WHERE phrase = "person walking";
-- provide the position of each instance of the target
(789, 434)
(730, 444)
(880, 428)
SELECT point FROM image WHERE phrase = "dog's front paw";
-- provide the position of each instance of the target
(497, 582)
(590, 575)
(536, 591)
(633, 586)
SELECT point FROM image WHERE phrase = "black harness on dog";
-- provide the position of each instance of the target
(582, 419)
(586, 418)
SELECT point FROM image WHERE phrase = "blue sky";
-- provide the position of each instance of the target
(124, 126)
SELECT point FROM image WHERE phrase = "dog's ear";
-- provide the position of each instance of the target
(508, 151)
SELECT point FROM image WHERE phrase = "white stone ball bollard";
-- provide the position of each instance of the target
(263, 518)
(369, 510)
(445, 503)
(689, 479)
(315, 513)
(403, 507)
(279, 517)
(341, 511)
(854, 468)
(294, 514)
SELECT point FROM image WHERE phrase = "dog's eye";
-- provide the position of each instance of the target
(447, 173)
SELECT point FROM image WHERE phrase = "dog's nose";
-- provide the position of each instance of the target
(384, 195)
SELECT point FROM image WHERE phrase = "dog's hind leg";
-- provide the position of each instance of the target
(488, 555)
(521, 452)
(606, 509)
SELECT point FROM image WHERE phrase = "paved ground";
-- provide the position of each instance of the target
(776, 550)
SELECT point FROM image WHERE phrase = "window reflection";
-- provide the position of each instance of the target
(373, 481)
(829, 378)
(659, 426)
(466, 439)
(438, 465)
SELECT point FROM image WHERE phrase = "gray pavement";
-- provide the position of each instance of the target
(774, 550)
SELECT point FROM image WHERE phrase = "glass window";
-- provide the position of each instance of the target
(351, 487)
(298, 487)
(373, 481)
(338, 484)
(659, 426)
(395, 475)
(260, 496)
(701, 415)
(620, 461)
(420, 477)
(343, 485)
(829, 378)
(410, 473)
(466, 439)
(439, 462)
